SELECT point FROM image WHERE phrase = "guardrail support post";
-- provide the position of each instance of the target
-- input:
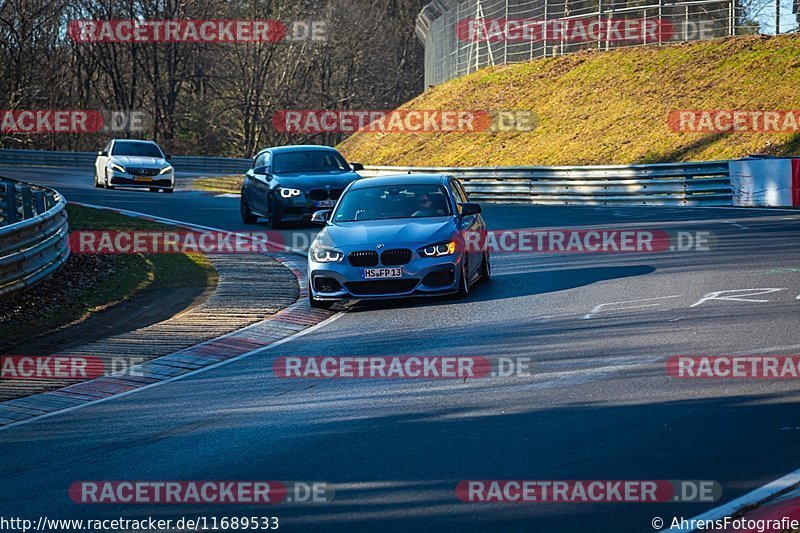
(39, 202)
(10, 206)
(27, 203)
(49, 200)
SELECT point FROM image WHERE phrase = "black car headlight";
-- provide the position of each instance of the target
(289, 193)
(438, 250)
(322, 254)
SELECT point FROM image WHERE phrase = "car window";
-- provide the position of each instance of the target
(136, 149)
(393, 202)
(308, 161)
(461, 193)
(262, 160)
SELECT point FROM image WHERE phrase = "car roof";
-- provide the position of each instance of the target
(133, 141)
(298, 148)
(401, 179)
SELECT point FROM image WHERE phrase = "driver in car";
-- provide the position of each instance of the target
(426, 207)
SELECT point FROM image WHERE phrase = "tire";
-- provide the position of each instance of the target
(486, 268)
(107, 182)
(154, 189)
(317, 304)
(247, 216)
(273, 222)
(169, 191)
(96, 181)
(463, 282)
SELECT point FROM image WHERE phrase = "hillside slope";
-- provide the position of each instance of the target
(607, 107)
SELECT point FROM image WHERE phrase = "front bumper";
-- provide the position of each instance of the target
(162, 181)
(297, 209)
(421, 277)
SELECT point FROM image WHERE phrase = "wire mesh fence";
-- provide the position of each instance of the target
(461, 36)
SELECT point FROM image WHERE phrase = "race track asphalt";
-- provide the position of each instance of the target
(599, 404)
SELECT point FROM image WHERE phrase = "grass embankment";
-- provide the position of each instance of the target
(607, 107)
(90, 283)
(224, 184)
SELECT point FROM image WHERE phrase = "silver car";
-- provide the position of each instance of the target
(394, 237)
(138, 164)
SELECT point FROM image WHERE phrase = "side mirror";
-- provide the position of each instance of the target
(102, 153)
(357, 166)
(470, 209)
(168, 157)
(321, 217)
(260, 170)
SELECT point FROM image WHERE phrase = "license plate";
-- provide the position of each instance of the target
(143, 178)
(326, 203)
(382, 273)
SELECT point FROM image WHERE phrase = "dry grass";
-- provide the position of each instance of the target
(607, 107)
(225, 184)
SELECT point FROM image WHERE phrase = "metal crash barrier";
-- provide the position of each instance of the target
(85, 160)
(34, 239)
(678, 184)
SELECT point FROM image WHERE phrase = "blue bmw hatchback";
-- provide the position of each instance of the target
(290, 183)
(395, 237)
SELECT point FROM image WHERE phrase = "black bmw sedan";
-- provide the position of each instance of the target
(290, 183)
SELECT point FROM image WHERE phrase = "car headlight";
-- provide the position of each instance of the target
(166, 170)
(321, 254)
(118, 168)
(289, 193)
(438, 250)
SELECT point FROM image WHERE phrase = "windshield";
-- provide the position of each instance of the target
(309, 161)
(136, 149)
(403, 201)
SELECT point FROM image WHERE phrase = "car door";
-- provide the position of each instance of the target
(471, 223)
(100, 162)
(256, 186)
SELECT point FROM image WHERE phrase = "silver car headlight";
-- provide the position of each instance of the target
(118, 168)
(166, 170)
(438, 250)
(322, 254)
(289, 193)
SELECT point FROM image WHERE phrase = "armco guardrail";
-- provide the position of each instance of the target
(85, 160)
(687, 184)
(34, 239)
(680, 184)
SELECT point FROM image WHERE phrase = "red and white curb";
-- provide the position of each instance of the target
(297, 318)
(775, 500)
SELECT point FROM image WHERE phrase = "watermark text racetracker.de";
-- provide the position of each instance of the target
(209, 492)
(67, 367)
(402, 367)
(310, 121)
(734, 367)
(197, 31)
(620, 31)
(588, 491)
(42, 121)
(499, 241)
(587, 241)
(734, 121)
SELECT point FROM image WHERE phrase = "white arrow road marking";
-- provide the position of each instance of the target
(739, 297)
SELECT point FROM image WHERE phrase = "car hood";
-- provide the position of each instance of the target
(390, 233)
(136, 161)
(317, 180)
